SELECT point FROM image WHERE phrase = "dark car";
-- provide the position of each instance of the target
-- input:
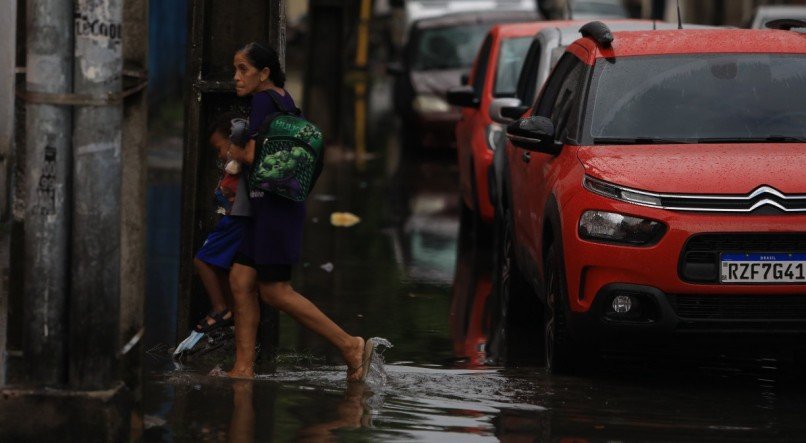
(439, 51)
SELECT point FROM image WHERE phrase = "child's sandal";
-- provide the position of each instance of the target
(218, 321)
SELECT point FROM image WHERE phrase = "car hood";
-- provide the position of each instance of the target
(436, 82)
(699, 169)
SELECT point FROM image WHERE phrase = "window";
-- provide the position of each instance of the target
(528, 76)
(561, 94)
(510, 61)
(481, 67)
(699, 98)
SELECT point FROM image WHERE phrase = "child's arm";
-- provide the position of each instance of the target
(240, 153)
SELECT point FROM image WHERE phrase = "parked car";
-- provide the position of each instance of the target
(502, 85)
(494, 75)
(546, 48)
(654, 190)
(414, 10)
(439, 51)
(766, 14)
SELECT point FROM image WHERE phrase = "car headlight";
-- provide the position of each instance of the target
(611, 227)
(430, 103)
(621, 193)
(496, 136)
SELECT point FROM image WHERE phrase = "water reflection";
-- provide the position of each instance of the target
(470, 316)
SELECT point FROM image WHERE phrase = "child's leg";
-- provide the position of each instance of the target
(216, 284)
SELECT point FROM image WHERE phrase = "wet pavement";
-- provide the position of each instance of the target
(406, 274)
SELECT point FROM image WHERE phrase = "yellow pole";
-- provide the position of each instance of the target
(360, 87)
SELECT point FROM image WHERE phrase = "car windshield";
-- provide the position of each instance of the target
(452, 47)
(699, 98)
(510, 60)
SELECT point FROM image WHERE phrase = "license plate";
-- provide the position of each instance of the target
(763, 267)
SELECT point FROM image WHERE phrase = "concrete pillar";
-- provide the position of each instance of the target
(96, 250)
(47, 213)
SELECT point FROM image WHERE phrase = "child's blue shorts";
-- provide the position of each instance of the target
(222, 244)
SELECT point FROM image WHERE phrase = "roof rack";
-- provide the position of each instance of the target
(785, 24)
(599, 32)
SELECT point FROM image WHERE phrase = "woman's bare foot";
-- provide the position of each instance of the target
(241, 373)
(354, 355)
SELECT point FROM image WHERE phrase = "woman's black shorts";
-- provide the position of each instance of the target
(265, 273)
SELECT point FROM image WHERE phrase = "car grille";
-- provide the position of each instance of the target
(764, 200)
(739, 307)
(699, 260)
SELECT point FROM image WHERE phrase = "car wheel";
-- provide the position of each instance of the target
(518, 330)
(561, 352)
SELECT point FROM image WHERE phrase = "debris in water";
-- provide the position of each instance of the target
(344, 219)
(328, 267)
(324, 197)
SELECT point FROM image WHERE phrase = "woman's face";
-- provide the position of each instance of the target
(248, 79)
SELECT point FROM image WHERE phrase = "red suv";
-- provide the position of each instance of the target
(656, 190)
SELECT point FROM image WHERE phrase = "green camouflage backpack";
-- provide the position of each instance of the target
(289, 154)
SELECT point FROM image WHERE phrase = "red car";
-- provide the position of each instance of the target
(494, 75)
(655, 190)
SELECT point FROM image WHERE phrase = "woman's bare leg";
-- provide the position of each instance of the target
(281, 295)
(247, 316)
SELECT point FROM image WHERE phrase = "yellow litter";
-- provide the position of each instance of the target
(344, 219)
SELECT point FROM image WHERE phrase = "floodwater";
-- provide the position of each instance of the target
(405, 274)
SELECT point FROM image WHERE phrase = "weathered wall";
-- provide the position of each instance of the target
(8, 33)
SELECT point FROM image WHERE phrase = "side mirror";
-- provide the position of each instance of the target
(463, 96)
(533, 134)
(464, 79)
(395, 68)
(498, 105)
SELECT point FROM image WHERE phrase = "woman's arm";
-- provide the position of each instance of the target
(241, 155)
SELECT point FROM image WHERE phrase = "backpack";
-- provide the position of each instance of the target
(289, 154)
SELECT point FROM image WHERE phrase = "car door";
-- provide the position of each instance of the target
(470, 118)
(558, 102)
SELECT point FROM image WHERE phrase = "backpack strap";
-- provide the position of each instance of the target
(275, 97)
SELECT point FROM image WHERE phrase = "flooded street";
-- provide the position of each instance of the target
(404, 273)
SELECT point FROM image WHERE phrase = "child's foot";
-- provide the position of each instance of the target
(214, 320)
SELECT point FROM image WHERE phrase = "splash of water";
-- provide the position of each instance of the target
(377, 375)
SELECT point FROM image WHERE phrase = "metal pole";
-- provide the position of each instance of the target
(49, 61)
(95, 296)
(8, 35)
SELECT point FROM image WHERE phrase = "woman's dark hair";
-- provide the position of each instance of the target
(263, 56)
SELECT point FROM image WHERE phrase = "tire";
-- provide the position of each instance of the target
(518, 327)
(562, 353)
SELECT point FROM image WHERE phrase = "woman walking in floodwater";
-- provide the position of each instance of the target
(273, 239)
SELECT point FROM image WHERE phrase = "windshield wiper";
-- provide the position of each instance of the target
(640, 141)
(768, 139)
